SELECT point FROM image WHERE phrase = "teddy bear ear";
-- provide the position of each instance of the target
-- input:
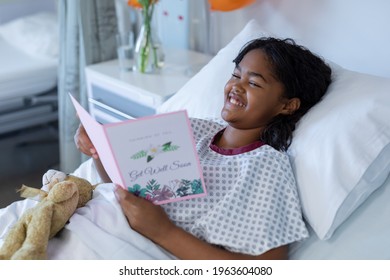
(28, 192)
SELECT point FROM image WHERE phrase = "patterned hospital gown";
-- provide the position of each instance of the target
(252, 203)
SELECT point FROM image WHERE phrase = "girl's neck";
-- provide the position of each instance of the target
(232, 138)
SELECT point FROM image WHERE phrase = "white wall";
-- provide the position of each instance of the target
(352, 33)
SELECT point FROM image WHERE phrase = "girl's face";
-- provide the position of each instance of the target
(253, 96)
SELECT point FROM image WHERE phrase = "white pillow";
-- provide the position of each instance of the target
(341, 148)
(340, 152)
(35, 34)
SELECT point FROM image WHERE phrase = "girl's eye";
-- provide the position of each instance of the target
(254, 84)
(236, 76)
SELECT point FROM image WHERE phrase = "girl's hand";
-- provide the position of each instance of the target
(151, 221)
(83, 143)
(143, 216)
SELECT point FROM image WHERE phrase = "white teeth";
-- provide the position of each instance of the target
(236, 102)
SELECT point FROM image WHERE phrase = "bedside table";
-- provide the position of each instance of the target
(115, 95)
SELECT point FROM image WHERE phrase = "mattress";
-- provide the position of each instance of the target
(22, 75)
(365, 235)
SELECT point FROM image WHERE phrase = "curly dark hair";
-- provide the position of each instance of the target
(304, 75)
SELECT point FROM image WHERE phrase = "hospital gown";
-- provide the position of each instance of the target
(252, 203)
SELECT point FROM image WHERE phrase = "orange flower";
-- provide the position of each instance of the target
(134, 4)
(139, 4)
(228, 5)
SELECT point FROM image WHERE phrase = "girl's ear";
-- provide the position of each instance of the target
(291, 106)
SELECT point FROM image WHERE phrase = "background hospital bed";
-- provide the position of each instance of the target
(28, 64)
(28, 93)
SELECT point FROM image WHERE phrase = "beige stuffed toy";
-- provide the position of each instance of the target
(60, 196)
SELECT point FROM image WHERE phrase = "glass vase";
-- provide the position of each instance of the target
(148, 52)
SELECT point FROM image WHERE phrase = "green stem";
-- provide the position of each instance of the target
(147, 13)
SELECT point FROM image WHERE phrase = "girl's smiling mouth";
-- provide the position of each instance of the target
(232, 99)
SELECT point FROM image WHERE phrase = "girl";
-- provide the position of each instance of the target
(252, 209)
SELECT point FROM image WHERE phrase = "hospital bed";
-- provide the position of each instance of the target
(340, 153)
(28, 70)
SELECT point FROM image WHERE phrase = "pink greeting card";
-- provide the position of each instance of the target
(153, 157)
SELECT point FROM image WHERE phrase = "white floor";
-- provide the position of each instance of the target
(24, 157)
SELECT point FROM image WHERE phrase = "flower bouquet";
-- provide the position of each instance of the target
(148, 56)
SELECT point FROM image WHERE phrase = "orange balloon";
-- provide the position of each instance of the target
(228, 5)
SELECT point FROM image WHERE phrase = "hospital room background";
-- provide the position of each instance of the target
(45, 46)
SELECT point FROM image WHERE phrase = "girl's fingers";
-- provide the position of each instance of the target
(83, 142)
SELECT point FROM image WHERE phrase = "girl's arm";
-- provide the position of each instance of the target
(151, 221)
(101, 171)
(186, 246)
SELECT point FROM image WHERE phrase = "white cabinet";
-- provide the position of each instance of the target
(115, 95)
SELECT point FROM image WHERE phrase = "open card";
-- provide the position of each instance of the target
(153, 157)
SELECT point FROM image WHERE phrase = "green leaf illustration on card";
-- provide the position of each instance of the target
(139, 155)
(154, 191)
(196, 186)
(152, 185)
(154, 150)
(137, 190)
(168, 147)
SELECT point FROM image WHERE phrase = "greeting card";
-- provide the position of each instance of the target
(153, 157)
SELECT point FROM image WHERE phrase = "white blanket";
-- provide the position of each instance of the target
(100, 230)
(97, 231)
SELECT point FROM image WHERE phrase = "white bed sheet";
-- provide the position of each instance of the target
(363, 236)
(22, 75)
(97, 231)
(100, 230)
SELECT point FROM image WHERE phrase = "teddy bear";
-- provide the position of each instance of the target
(59, 198)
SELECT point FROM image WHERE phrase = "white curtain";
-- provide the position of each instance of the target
(87, 36)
